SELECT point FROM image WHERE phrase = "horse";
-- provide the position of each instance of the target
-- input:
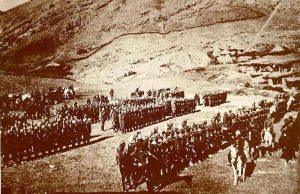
(69, 92)
(136, 170)
(238, 161)
(131, 169)
(137, 94)
(267, 139)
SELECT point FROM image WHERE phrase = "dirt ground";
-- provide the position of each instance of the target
(93, 168)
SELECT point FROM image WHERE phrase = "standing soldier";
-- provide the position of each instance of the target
(111, 93)
(115, 120)
(149, 93)
(121, 120)
(267, 133)
(197, 99)
(210, 100)
(121, 153)
(154, 93)
(173, 106)
(253, 139)
(286, 142)
(102, 117)
(227, 120)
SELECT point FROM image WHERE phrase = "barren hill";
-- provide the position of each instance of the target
(66, 31)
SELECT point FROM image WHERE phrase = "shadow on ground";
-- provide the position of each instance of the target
(93, 139)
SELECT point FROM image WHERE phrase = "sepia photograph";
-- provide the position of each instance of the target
(150, 96)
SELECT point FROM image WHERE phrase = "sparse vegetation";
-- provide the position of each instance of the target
(81, 51)
(158, 4)
(51, 5)
(129, 73)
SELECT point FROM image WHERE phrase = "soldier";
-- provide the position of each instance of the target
(122, 120)
(254, 139)
(61, 134)
(210, 100)
(205, 99)
(149, 93)
(111, 93)
(197, 99)
(102, 117)
(216, 120)
(173, 108)
(120, 159)
(227, 120)
(286, 143)
(115, 120)
(88, 125)
(267, 134)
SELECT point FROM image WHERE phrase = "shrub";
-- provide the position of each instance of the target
(82, 51)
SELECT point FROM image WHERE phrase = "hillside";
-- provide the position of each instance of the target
(71, 31)
(67, 31)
